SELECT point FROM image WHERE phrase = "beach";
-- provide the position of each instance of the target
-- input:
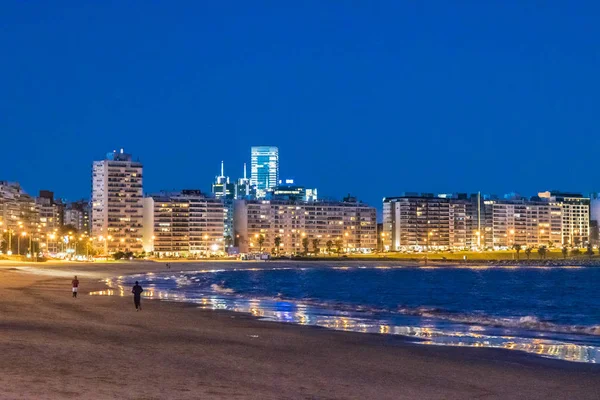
(54, 346)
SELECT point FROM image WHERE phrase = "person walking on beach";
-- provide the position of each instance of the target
(75, 284)
(137, 295)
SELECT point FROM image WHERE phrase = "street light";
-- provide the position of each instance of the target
(19, 243)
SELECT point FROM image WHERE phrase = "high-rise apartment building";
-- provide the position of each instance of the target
(575, 212)
(264, 168)
(460, 222)
(185, 223)
(117, 202)
(259, 225)
(425, 222)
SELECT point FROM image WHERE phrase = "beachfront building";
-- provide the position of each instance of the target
(283, 226)
(50, 212)
(117, 198)
(595, 218)
(426, 222)
(575, 213)
(19, 217)
(264, 169)
(528, 223)
(183, 224)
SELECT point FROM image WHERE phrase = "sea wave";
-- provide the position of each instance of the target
(527, 322)
(220, 289)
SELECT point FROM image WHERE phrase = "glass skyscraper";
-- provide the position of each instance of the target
(264, 172)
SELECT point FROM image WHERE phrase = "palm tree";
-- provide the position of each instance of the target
(338, 246)
(517, 248)
(590, 250)
(329, 245)
(315, 243)
(228, 241)
(565, 252)
(277, 242)
(305, 245)
(528, 252)
(261, 241)
(542, 252)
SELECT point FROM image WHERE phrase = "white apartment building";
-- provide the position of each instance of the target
(117, 198)
(575, 212)
(527, 223)
(350, 226)
(183, 224)
(552, 219)
(417, 222)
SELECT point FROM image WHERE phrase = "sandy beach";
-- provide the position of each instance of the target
(53, 347)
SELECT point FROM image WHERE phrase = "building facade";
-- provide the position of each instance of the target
(117, 203)
(426, 221)
(292, 192)
(51, 214)
(19, 218)
(77, 214)
(439, 222)
(183, 224)
(264, 169)
(284, 227)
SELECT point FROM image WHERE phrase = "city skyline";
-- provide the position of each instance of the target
(458, 106)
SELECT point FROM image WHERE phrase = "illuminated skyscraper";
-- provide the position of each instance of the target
(264, 168)
(222, 189)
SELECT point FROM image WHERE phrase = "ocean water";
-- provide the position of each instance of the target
(550, 311)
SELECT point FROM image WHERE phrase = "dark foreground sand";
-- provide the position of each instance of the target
(54, 347)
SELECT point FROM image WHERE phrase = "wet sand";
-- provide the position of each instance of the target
(54, 347)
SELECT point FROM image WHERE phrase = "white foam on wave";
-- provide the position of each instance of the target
(221, 289)
(528, 322)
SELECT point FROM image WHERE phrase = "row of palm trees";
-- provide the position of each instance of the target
(543, 251)
(330, 245)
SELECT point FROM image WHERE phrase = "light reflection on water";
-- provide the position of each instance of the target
(298, 313)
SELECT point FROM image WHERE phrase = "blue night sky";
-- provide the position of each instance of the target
(372, 98)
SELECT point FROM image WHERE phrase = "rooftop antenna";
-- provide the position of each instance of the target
(222, 173)
(244, 170)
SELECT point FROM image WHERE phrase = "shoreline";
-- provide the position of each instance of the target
(221, 354)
